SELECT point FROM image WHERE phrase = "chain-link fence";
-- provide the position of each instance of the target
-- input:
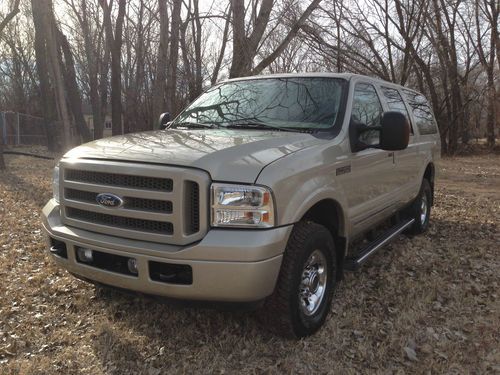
(22, 129)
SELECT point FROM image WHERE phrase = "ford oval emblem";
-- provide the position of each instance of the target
(109, 200)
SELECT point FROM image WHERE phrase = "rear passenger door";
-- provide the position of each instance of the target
(406, 165)
(427, 135)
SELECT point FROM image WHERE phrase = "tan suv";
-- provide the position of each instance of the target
(255, 192)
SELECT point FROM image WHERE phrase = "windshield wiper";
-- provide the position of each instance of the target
(261, 125)
(194, 125)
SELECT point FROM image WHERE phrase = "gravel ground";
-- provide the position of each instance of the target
(429, 304)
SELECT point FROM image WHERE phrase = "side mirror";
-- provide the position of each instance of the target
(164, 120)
(394, 131)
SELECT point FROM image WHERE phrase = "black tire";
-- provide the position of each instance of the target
(283, 311)
(420, 209)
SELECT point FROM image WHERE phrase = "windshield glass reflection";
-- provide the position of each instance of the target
(293, 103)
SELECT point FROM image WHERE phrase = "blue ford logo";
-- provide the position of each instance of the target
(109, 200)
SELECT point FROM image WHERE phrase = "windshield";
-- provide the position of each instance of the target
(286, 103)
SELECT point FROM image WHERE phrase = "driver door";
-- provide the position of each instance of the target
(368, 187)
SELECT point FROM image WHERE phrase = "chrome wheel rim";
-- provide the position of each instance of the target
(312, 288)
(423, 210)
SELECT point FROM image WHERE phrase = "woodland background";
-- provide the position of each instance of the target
(133, 60)
(427, 304)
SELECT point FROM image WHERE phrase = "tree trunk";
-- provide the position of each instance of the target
(92, 61)
(159, 83)
(135, 95)
(245, 47)
(215, 73)
(115, 47)
(197, 49)
(55, 71)
(241, 61)
(288, 38)
(491, 9)
(491, 119)
(73, 92)
(47, 93)
(103, 84)
(3, 24)
(338, 20)
(185, 59)
(116, 72)
(173, 58)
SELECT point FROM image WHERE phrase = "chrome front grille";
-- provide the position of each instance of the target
(160, 204)
(130, 203)
(150, 226)
(115, 179)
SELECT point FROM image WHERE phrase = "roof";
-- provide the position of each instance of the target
(346, 76)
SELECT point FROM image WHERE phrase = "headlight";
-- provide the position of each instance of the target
(242, 206)
(55, 183)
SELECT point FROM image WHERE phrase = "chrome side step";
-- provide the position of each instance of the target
(353, 263)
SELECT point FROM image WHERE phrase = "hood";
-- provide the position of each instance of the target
(227, 155)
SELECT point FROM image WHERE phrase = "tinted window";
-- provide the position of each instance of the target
(366, 109)
(421, 112)
(281, 102)
(395, 103)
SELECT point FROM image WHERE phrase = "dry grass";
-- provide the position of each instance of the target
(435, 296)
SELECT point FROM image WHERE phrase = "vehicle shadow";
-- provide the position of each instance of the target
(399, 281)
(166, 326)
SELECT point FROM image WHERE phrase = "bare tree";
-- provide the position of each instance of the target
(159, 82)
(245, 47)
(73, 93)
(489, 11)
(173, 57)
(12, 13)
(161, 54)
(9, 16)
(96, 59)
(49, 64)
(225, 37)
(292, 33)
(114, 40)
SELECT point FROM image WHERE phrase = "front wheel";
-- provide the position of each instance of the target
(301, 301)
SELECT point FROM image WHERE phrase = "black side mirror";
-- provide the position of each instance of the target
(164, 120)
(394, 131)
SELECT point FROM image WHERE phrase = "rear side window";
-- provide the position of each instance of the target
(366, 109)
(422, 112)
(395, 103)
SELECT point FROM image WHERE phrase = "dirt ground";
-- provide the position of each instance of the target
(429, 304)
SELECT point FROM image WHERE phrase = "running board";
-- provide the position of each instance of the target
(353, 263)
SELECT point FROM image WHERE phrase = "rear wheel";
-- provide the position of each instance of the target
(420, 210)
(301, 301)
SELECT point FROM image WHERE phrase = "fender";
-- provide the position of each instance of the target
(305, 178)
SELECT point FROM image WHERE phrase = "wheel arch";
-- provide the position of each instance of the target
(329, 213)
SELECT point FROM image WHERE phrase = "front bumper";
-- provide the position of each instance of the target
(227, 265)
